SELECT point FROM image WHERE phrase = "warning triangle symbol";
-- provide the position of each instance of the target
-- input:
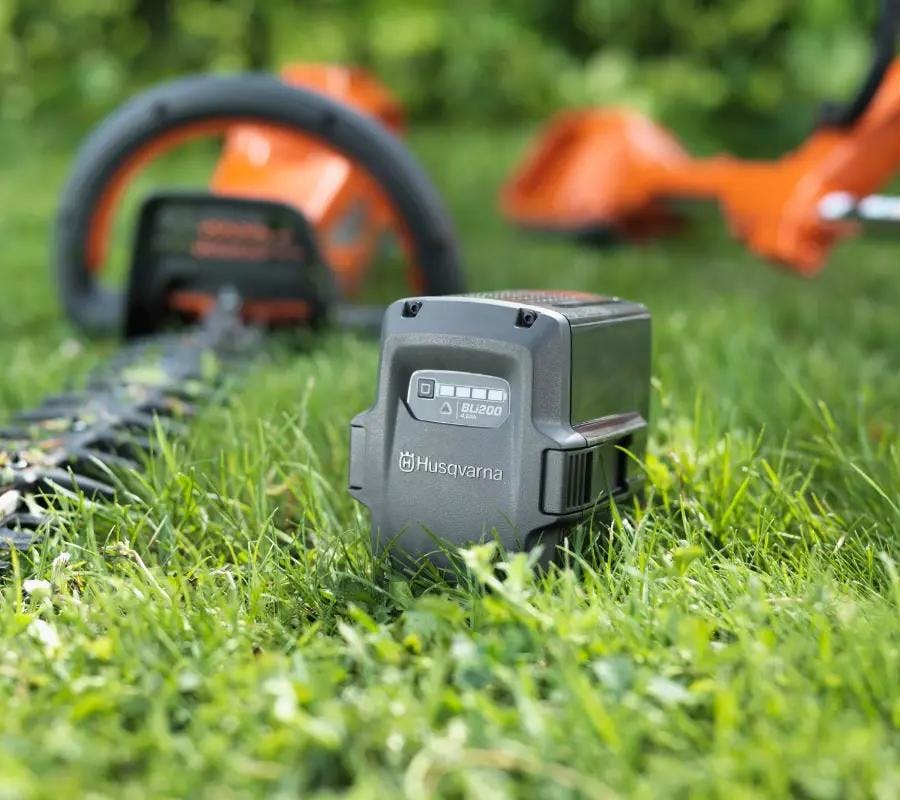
(446, 409)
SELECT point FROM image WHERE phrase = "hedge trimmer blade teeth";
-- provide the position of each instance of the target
(73, 443)
(47, 483)
(19, 538)
(90, 456)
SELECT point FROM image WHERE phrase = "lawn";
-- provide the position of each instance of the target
(230, 636)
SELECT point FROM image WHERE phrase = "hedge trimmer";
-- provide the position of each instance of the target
(310, 195)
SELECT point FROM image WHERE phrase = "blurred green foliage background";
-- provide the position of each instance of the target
(713, 68)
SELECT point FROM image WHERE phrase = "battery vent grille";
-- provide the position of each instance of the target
(576, 479)
(561, 299)
(579, 479)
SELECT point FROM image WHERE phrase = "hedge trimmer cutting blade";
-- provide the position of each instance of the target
(72, 444)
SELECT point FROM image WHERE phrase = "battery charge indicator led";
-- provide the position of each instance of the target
(470, 392)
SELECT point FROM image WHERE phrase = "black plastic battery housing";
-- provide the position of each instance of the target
(513, 415)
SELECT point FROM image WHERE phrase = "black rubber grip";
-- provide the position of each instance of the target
(256, 98)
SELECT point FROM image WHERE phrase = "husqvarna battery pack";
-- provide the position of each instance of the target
(514, 416)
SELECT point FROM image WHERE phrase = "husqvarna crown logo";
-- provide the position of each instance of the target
(410, 462)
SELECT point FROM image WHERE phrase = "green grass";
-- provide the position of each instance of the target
(229, 635)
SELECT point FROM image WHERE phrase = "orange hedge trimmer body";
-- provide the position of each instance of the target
(338, 198)
(328, 152)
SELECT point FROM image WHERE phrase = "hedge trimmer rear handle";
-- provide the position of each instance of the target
(166, 116)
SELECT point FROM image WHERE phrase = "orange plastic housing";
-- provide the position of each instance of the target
(341, 202)
(615, 170)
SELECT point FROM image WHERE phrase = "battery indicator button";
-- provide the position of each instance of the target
(479, 394)
(496, 395)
